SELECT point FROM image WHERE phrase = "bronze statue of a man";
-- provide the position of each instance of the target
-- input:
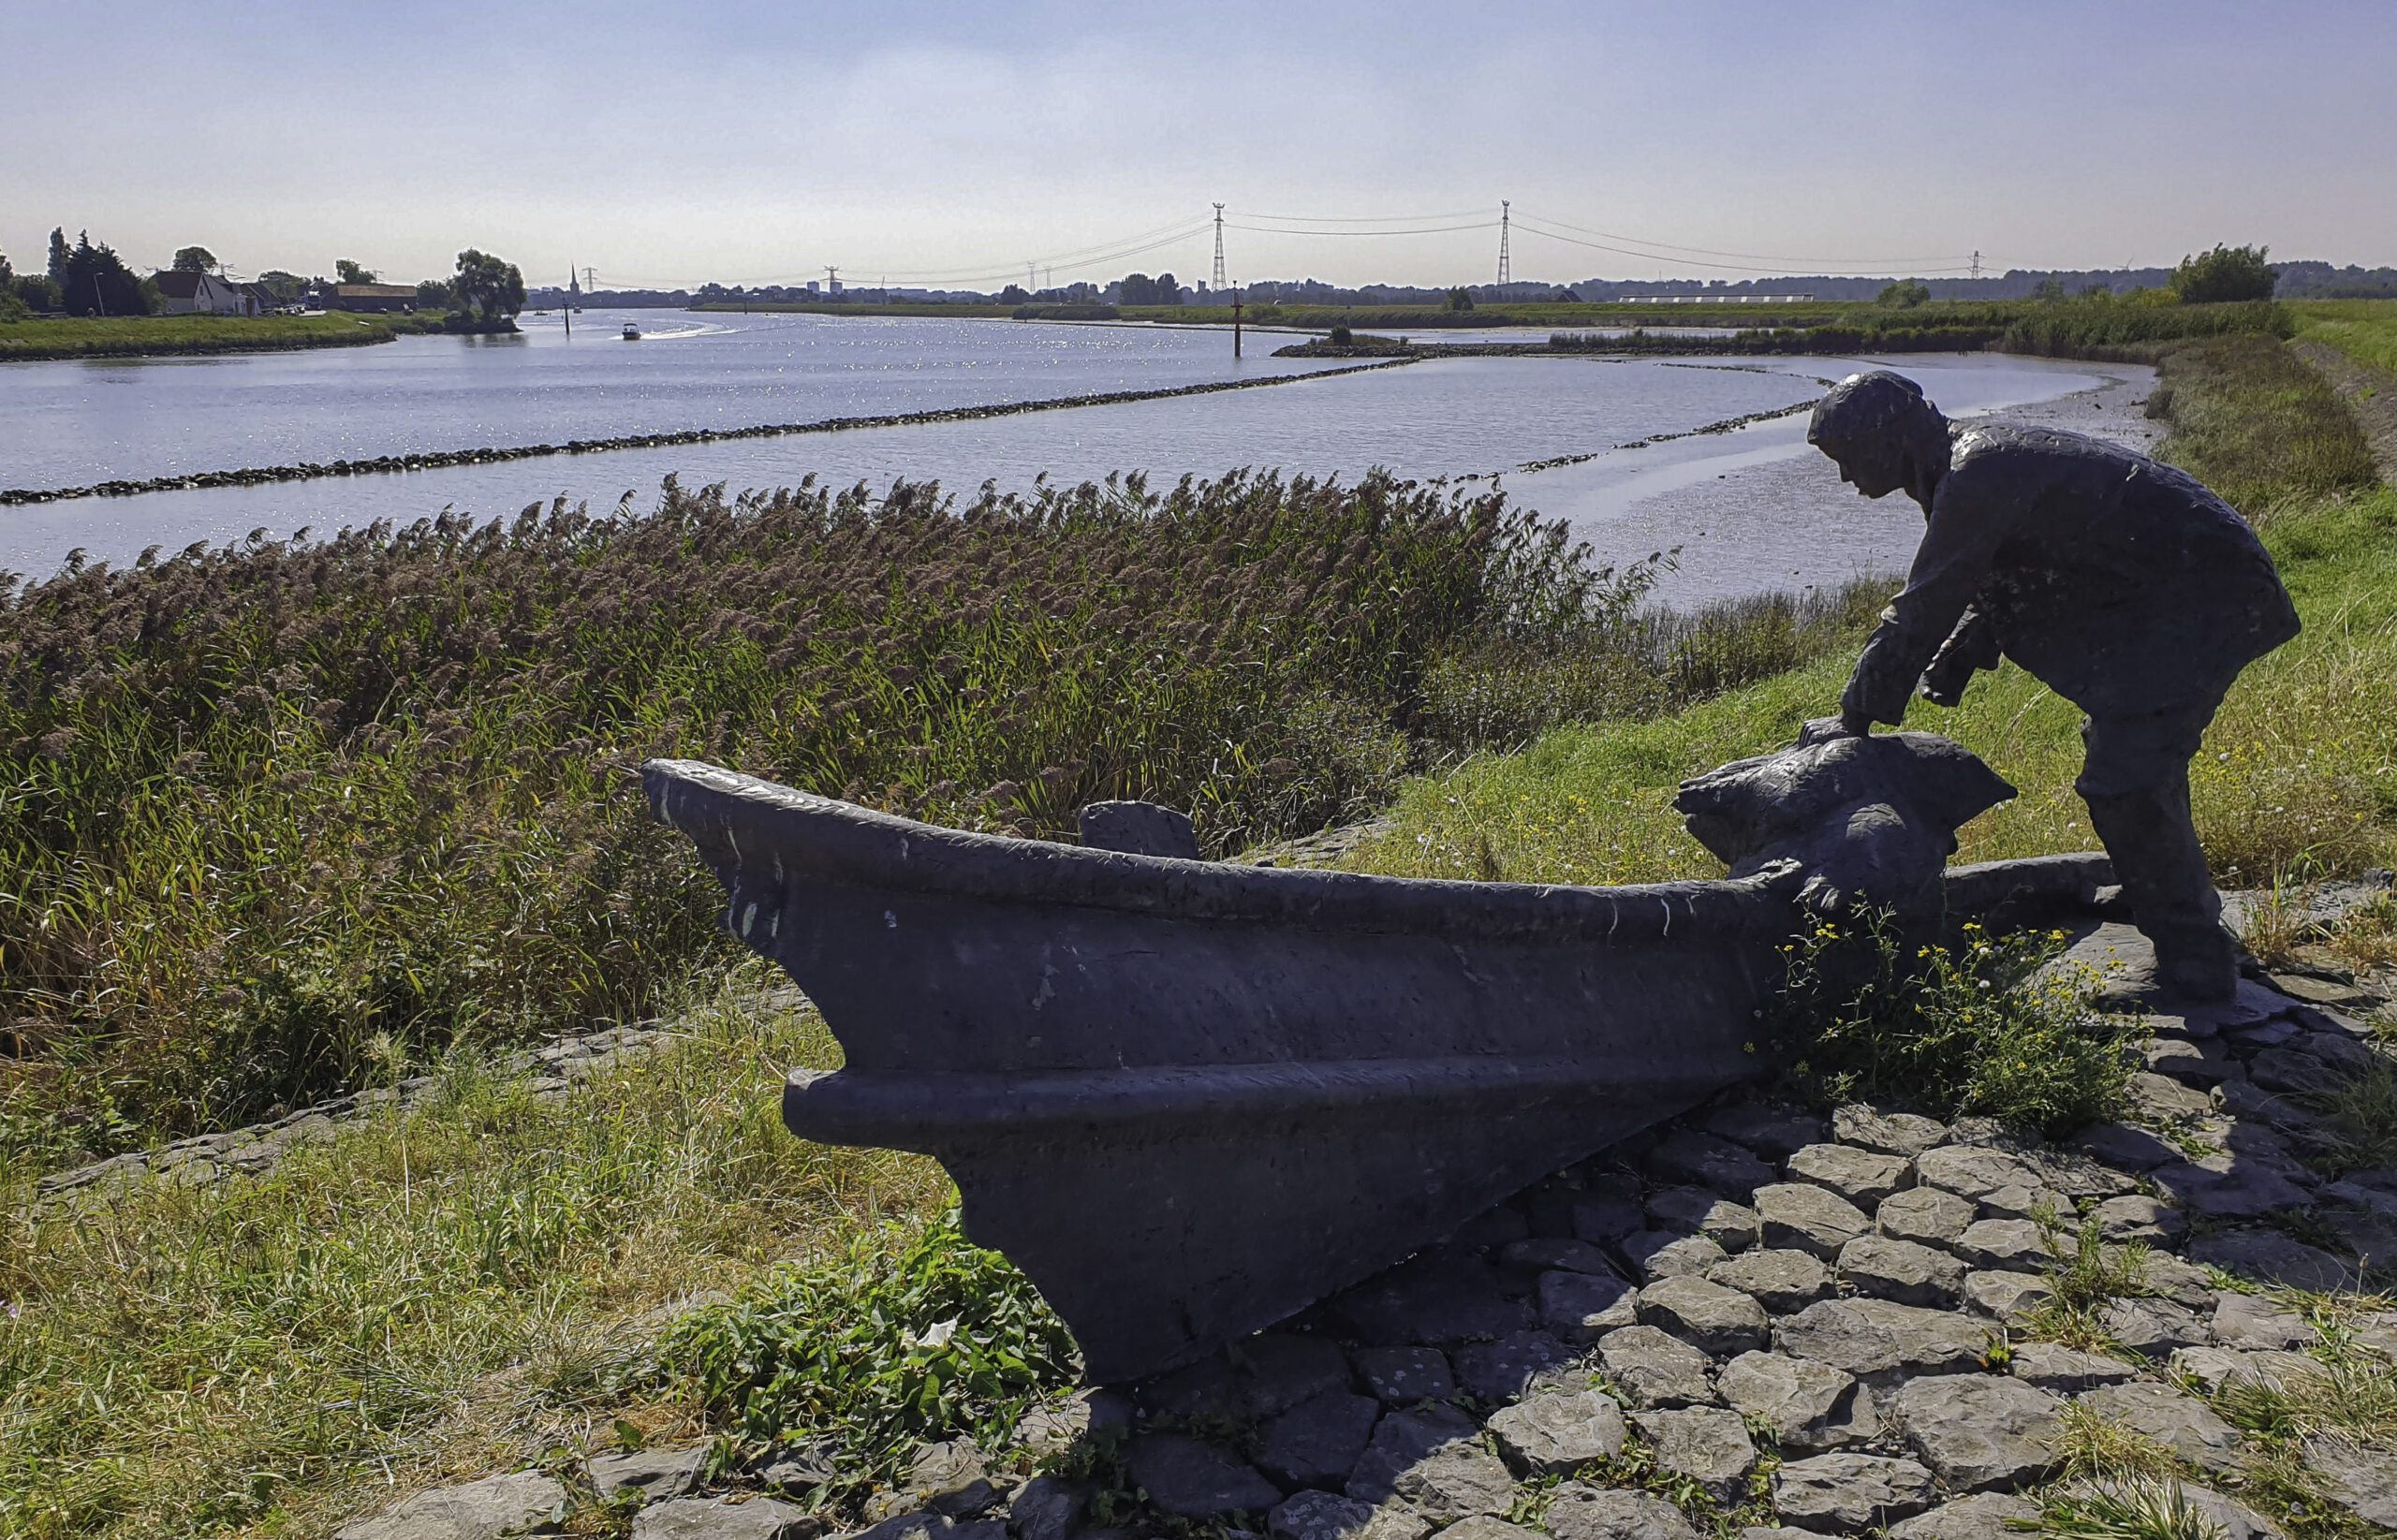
(2123, 585)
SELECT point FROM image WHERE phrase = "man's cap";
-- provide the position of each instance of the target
(1863, 404)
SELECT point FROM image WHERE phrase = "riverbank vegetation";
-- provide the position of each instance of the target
(275, 816)
(2363, 330)
(135, 336)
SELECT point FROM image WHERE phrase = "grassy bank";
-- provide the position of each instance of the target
(2363, 330)
(430, 1297)
(2299, 773)
(845, 307)
(135, 336)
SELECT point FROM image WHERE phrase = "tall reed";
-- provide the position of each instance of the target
(275, 815)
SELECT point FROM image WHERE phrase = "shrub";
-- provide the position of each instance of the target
(2224, 273)
(877, 1351)
(1973, 1027)
(1904, 294)
(1341, 336)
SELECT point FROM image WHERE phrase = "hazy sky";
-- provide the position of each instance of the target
(754, 141)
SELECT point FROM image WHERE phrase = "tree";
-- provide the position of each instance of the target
(58, 257)
(2048, 289)
(287, 287)
(1904, 294)
(8, 273)
(435, 294)
(196, 259)
(1165, 292)
(486, 288)
(38, 294)
(1013, 295)
(1139, 289)
(2224, 273)
(347, 272)
(98, 282)
(1460, 298)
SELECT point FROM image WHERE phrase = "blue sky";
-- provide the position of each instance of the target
(753, 141)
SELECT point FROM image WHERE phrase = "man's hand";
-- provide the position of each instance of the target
(1879, 688)
(1969, 648)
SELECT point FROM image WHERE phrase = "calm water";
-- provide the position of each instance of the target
(63, 424)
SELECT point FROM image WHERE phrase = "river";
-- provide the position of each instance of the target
(1750, 508)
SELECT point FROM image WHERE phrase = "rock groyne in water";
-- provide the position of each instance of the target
(445, 459)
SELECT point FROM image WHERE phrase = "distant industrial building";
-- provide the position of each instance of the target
(370, 297)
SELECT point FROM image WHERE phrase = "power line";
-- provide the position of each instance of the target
(1750, 256)
(1438, 229)
(1779, 270)
(1363, 219)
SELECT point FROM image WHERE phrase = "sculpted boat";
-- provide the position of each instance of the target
(1189, 1098)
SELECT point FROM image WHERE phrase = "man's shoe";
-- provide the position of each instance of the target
(2137, 984)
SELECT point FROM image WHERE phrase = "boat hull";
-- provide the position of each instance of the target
(1190, 1099)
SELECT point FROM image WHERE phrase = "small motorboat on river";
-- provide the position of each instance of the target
(632, 333)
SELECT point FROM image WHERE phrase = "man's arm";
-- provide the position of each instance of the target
(1949, 568)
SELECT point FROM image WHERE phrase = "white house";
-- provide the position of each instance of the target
(204, 294)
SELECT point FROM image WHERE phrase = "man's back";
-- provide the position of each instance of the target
(2122, 583)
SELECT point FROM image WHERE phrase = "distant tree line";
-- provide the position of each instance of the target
(85, 277)
(1138, 288)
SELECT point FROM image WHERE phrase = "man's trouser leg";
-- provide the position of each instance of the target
(2136, 781)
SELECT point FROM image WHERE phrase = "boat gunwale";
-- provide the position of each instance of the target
(756, 825)
(939, 1110)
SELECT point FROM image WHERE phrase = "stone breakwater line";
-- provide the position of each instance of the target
(447, 459)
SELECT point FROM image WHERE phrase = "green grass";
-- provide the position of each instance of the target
(67, 337)
(430, 1297)
(2363, 330)
(846, 307)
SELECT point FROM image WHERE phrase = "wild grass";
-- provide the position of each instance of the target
(2363, 330)
(1972, 1026)
(2129, 1507)
(2251, 421)
(426, 1297)
(2351, 1398)
(2359, 1115)
(2090, 1445)
(265, 809)
(2087, 328)
(2085, 1274)
(95, 337)
(1504, 691)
